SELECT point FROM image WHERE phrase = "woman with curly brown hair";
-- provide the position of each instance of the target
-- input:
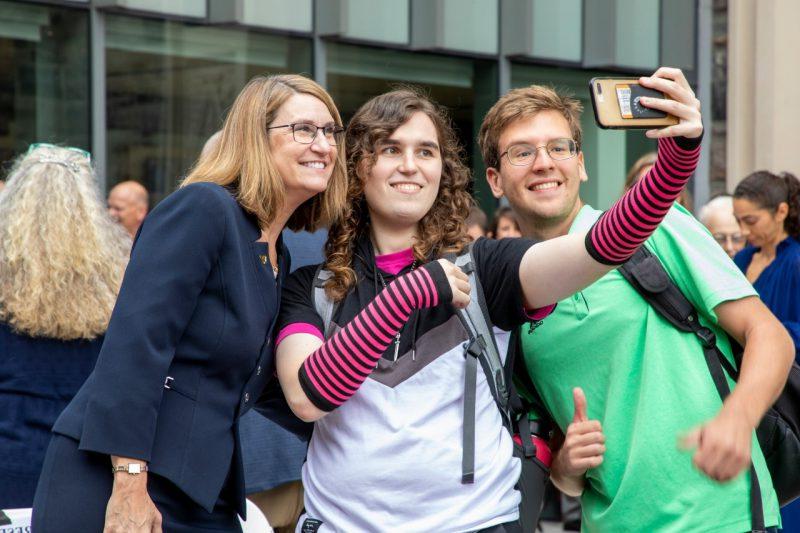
(387, 387)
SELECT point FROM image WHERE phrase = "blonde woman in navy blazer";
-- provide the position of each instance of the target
(188, 348)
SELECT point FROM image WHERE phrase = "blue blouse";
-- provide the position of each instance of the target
(38, 378)
(779, 285)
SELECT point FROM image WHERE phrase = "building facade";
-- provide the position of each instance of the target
(143, 83)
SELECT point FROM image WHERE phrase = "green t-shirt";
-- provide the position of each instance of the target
(648, 384)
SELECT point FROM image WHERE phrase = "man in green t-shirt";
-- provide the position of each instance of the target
(621, 383)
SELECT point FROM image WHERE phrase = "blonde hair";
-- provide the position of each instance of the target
(241, 158)
(61, 255)
(522, 103)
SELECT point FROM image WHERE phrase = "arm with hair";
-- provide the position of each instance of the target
(724, 443)
(318, 377)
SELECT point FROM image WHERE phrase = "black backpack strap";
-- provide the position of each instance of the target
(647, 275)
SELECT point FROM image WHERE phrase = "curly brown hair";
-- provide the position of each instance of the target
(442, 230)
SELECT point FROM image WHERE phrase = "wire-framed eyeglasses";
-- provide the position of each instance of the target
(525, 154)
(305, 133)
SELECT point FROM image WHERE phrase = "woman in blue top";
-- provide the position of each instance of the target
(767, 207)
(61, 263)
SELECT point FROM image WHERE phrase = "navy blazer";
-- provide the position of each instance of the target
(188, 349)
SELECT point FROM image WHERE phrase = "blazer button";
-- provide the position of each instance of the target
(246, 397)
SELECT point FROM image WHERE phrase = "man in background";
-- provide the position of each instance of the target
(717, 216)
(128, 203)
(477, 224)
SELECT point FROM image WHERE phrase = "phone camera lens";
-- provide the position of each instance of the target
(599, 88)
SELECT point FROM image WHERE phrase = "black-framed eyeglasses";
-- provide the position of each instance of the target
(525, 154)
(305, 133)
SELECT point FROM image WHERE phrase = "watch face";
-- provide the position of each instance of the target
(134, 468)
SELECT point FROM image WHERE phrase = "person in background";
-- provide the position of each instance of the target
(504, 224)
(477, 223)
(61, 265)
(128, 204)
(767, 207)
(606, 364)
(642, 166)
(717, 216)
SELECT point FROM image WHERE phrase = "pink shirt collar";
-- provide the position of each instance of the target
(395, 262)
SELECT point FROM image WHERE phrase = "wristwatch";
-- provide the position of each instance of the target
(131, 468)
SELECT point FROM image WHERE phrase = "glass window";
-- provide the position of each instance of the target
(608, 153)
(44, 77)
(466, 87)
(169, 85)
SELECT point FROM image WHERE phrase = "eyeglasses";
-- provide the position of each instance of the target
(735, 238)
(80, 151)
(49, 158)
(305, 133)
(525, 154)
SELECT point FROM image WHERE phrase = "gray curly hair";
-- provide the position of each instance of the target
(61, 255)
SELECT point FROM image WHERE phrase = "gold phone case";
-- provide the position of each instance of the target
(615, 104)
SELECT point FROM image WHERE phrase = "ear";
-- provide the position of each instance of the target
(495, 181)
(582, 168)
(782, 212)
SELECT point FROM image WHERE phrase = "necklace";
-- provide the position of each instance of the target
(396, 337)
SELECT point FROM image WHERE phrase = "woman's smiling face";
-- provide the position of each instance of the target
(403, 183)
(304, 168)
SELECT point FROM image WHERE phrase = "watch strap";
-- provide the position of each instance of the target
(130, 468)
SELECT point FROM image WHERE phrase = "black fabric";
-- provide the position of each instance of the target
(496, 265)
(688, 144)
(508, 527)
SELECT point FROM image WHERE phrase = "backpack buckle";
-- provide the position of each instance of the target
(476, 346)
(707, 337)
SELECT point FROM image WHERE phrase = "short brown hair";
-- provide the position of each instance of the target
(522, 103)
(241, 158)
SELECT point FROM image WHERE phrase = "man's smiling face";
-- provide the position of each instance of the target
(546, 189)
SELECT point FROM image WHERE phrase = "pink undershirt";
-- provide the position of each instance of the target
(391, 264)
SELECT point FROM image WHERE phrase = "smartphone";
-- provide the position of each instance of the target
(616, 105)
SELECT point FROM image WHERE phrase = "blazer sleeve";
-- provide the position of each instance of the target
(174, 253)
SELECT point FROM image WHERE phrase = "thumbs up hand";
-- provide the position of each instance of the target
(584, 442)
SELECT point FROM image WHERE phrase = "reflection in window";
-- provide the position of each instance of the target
(44, 77)
(169, 85)
(466, 87)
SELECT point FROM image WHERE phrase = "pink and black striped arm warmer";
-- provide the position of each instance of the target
(335, 371)
(623, 228)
